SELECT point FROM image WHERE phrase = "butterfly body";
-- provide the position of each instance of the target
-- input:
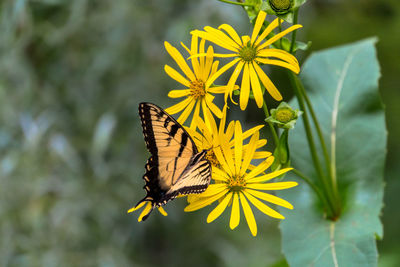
(175, 166)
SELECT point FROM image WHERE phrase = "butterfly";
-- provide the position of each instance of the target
(175, 167)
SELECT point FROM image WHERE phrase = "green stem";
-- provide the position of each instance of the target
(280, 30)
(294, 33)
(322, 141)
(325, 182)
(271, 126)
(235, 3)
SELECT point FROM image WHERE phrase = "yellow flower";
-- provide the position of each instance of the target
(146, 210)
(249, 53)
(198, 91)
(209, 137)
(236, 182)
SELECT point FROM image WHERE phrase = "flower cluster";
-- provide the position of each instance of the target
(236, 181)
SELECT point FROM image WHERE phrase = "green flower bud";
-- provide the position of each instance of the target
(281, 6)
(284, 116)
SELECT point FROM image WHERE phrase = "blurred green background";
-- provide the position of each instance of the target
(71, 152)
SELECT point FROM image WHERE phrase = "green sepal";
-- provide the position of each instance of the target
(288, 16)
(282, 152)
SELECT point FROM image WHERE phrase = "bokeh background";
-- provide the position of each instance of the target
(71, 152)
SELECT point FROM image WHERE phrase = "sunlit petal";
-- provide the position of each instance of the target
(179, 107)
(219, 208)
(185, 114)
(232, 33)
(176, 76)
(257, 26)
(235, 212)
(270, 198)
(268, 176)
(174, 53)
(279, 35)
(205, 201)
(179, 93)
(245, 88)
(262, 207)
(248, 214)
(272, 186)
(272, 90)
(255, 85)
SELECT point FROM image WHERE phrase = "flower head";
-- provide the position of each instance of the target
(198, 91)
(236, 181)
(249, 53)
(209, 137)
(284, 116)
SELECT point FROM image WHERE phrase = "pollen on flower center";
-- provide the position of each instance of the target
(197, 89)
(210, 156)
(284, 115)
(248, 53)
(237, 183)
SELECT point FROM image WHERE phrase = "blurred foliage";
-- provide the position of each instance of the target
(72, 155)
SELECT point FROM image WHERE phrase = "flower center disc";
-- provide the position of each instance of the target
(284, 115)
(236, 183)
(248, 53)
(197, 89)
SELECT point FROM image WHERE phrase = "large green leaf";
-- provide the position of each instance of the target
(342, 84)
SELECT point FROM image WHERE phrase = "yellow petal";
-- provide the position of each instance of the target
(214, 69)
(232, 80)
(230, 130)
(278, 53)
(220, 173)
(179, 106)
(279, 35)
(268, 176)
(228, 157)
(195, 61)
(210, 122)
(262, 207)
(269, 86)
(213, 107)
(213, 38)
(228, 42)
(209, 61)
(195, 115)
(219, 208)
(272, 186)
(179, 93)
(222, 121)
(205, 202)
(267, 30)
(260, 168)
(217, 89)
(270, 198)
(176, 76)
(255, 85)
(201, 51)
(261, 154)
(235, 212)
(174, 53)
(245, 88)
(251, 131)
(220, 72)
(248, 214)
(212, 190)
(249, 153)
(257, 26)
(245, 39)
(294, 68)
(238, 147)
(221, 159)
(185, 114)
(232, 33)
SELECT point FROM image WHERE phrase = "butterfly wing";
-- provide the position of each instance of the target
(174, 167)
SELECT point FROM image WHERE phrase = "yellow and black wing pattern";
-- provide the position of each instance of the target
(175, 166)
